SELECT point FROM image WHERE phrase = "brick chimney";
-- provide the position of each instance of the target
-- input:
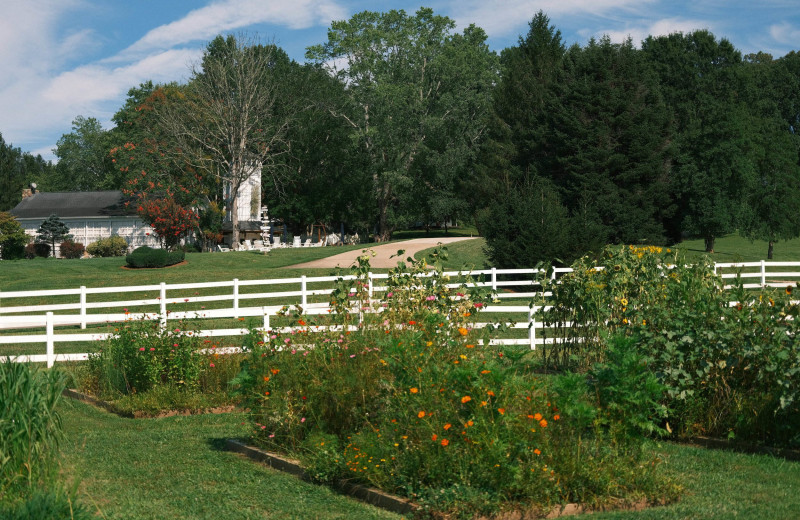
(27, 192)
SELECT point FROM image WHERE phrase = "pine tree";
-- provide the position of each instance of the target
(51, 231)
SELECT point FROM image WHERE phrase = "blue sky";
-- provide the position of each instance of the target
(64, 58)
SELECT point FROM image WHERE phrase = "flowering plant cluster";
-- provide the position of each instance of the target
(170, 221)
(412, 399)
(142, 355)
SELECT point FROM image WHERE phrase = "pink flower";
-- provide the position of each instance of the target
(174, 344)
(352, 356)
(431, 298)
(141, 349)
(303, 419)
(389, 295)
(211, 365)
(152, 349)
(271, 435)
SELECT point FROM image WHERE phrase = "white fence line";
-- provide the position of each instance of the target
(11, 317)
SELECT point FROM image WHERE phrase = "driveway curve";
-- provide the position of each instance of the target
(383, 253)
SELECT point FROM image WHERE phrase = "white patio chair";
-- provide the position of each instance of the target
(222, 249)
(307, 243)
(258, 245)
(276, 241)
(296, 242)
(246, 246)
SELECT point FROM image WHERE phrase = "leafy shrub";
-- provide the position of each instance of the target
(727, 370)
(143, 257)
(141, 354)
(407, 400)
(114, 245)
(70, 249)
(35, 249)
(12, 237)
(30, 426)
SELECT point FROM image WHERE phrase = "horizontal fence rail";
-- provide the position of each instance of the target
(173, 301)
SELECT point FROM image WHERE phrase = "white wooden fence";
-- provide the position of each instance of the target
(172, 301)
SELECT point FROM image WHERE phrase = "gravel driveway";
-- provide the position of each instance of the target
(382, 253)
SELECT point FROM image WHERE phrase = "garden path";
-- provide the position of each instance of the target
(383, 253)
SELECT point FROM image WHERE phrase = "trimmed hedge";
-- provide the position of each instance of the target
(114, 245)
(143, 257)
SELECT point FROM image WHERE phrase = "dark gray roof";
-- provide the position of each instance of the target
(74, 204)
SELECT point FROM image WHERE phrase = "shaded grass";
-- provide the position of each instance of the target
(735, 248)
(175, 467)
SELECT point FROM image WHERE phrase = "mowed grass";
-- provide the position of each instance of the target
(177, 467)
(51, 273)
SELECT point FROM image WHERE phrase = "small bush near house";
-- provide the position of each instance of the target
(70, 249)
(37, 249)
(143, 257)
(114, 245)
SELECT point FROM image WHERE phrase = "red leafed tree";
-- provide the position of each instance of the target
(170, 221)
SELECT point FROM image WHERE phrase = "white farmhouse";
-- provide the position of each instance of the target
(90, 216)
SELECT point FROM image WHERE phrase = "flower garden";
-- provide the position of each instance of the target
(401, 393)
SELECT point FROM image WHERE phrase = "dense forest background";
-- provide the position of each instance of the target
(552, 151)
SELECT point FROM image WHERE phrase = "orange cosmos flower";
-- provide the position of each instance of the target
(485, 372)
(470, 423)
(275, 371)
(463, 331)
(414, 390)
(421, 414)
(556, 417)
(502, 411)
(470, 346)
(447, 426)
(434, 437)
(445, 442)
(490, 393)
(466, 399)
(543, 423)
(537, 451)
(537, 417)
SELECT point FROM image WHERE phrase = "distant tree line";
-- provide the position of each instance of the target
(553, 151)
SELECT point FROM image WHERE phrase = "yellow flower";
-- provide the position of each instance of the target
(624, 302)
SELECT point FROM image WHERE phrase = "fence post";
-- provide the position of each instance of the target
(532, 327)
(83, 306)
(763, 274)
(236, 298)
(369, 287)
(303, 292)
(494, 282)
(266, 324)
(50, 340)
(163, 309)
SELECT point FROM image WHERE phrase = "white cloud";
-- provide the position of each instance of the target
(785, 33)
(506, 17)
(206, 22)
(637, 33)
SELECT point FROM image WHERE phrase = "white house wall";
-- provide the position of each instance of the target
(85, 231)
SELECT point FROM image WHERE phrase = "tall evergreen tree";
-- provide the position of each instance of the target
(700, 82)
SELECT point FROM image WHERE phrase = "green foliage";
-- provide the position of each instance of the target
(142, 354)
(70, 249)
(114, 245)
(30, 426)
(84, 163)
(726, 370)
(53, 504)
(37, 249)
(51, 231)
(12, 237)
(406, 401)
(17, 169)
(416, 100)
(147, 257)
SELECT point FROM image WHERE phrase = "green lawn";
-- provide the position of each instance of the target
(734, 248)
(176, 467)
